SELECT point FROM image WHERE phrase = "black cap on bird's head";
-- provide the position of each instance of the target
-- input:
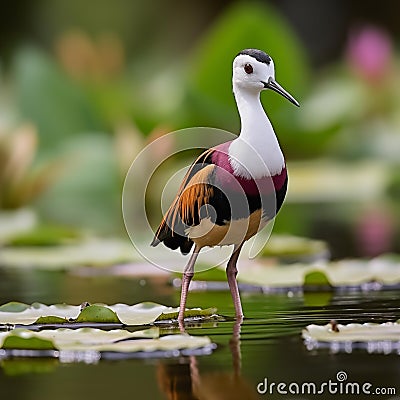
(259, 55)
(254, 70)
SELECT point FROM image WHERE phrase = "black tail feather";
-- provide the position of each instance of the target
(172, 240)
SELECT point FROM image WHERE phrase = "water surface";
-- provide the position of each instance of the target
(270, 346)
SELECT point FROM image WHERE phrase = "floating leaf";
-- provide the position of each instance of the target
(389, 331)
(29, 314)
(22, 339)
(347, 273)
(165, 343)
(322, 181)
(13, 306)
(84, 338)
(290, 248)
(316, 278)
(44, 235)
(50, 319)
(96, 313)
(193, 313)
(89, 339)
(16, 222)
(93, 252)
(137, 314)
(258, 274)
(140, 314)
(69, 338)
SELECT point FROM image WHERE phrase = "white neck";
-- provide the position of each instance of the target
(256, 152)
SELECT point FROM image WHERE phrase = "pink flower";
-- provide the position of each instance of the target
(369, 52)
(374, 232)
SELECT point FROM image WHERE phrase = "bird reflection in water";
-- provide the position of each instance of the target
(184, 380)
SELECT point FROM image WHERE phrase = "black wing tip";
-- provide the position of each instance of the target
(156, 241)
(173, 243)
(186, 246)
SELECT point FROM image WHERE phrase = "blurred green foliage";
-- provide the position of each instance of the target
(95, 97)
(245, 25)
(79, 96)
(58, 106)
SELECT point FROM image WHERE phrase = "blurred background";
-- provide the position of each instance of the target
(84, 87)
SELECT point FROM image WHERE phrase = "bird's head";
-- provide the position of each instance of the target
(254, 71)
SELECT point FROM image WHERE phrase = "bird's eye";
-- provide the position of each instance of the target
(248, 68)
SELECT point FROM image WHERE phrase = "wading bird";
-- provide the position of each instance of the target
(232, 190)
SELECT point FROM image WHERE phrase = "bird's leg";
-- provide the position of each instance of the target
(231, 272)
(187, 277)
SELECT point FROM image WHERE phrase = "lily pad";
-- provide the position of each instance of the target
(23, 340)
(51, 319)
(13, 306)
(290, 248)
(93, 252)
(29, 314)
(89, 339)
(322, 181)
(44, 235)
(316, 278)
(193, 313)
(14, 223)
(96, 313)
(388, 331)
(379, 272)
(131, 315)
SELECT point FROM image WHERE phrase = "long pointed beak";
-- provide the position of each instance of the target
(276, 87)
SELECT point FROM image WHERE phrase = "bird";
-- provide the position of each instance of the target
(231, 190)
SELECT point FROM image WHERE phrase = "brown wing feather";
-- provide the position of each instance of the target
(194, 192)
(194, 195)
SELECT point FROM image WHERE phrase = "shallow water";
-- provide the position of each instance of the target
(270, 345)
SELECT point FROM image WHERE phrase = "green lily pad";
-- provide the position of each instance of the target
(322, 181)
(44, 235)
(16, 222)
(130, 315)
(316, 278)
(96, 313)
(93, 252)
(13, 306)
(193, 313)
(295, 249)
(89, 339)
(346, 273)
(29, 314)
(50, 319)
(23, 340)
(165, 343)
(86, 338)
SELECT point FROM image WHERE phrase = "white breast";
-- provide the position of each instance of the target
(263, 157)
